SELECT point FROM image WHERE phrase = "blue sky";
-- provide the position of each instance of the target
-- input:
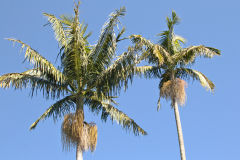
(210, 121)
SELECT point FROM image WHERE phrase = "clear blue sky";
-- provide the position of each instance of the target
(210, 121)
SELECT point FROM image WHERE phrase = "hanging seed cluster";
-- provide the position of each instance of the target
(174, 90)
(76, 132)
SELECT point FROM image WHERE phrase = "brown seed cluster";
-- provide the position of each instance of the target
(174, 90)
(76, 132)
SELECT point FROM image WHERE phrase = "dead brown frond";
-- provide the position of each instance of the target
(76, 132)
(174, 90)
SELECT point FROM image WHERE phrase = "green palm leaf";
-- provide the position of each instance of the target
(34, 80)
(58, 29)
(104, 51)
(188, 55)
(109, 110)
(117, 74)
(40, 62)
(57, 110)
(121, 118)
(154, 53)
(195, 75)
(148, 71)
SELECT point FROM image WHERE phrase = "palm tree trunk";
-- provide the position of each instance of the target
(179, 130)
(79, 153)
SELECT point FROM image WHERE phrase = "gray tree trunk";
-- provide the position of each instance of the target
(79, 153)
(179, 130)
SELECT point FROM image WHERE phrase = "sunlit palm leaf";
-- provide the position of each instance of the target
(34, 80)
(107, 43)
(40, 62)
(154, 53)
(116, 75)
(75, 56)
(189, 54)
(148, 71)
(195, 75)
(58, 29)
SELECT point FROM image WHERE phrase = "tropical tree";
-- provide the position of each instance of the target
(171, 64)
(88, 75)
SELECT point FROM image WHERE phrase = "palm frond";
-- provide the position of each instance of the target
(117, 75)
(104, 105)
(40, 62)
(57, 110)
(104, 51)
(158, 50)
(33, 79)
(188, 55)
(57, 28)
(148, 71)
(177, 43)
(154, 53)
(187, 73)
(175, 19)
(121, 118)
(75, 56)
(120, 34)
(66, 20)
(141, 42)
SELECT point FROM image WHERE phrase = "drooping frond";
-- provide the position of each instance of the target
(187, 73)
(188, 55)
(105, 49)
(174, 90)
(57, 110)
(40, 62)
(57, 28)
(178, 41)
(35, 80)
(121, 118)
(148, 71)
(96, 105)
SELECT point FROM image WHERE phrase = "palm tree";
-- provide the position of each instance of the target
(169, 63)
(87, 76)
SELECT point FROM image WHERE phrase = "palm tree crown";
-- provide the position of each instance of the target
(170, 60)
(88, 76)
